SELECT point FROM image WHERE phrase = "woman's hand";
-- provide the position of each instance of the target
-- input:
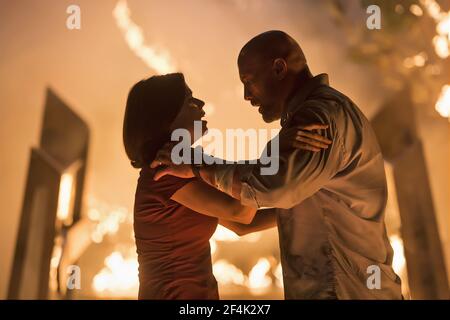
(303, 137)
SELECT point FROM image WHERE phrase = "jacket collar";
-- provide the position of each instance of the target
(302, 94)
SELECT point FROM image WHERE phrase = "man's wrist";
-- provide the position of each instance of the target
(196, 170)
(205, 173)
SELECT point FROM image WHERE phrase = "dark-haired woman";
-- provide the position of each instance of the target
(175, 218)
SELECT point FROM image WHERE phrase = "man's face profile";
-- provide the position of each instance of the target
(260, 86)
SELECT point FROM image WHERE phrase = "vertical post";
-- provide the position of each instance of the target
(395, 127)
(422, 246)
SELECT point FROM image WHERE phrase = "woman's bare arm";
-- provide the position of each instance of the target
(264, 219)
(204, 199)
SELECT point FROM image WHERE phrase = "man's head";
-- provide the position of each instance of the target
(269, 65)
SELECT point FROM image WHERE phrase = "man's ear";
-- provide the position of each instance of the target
(279, 68)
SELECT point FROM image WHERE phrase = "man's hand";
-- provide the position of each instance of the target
(163, 156)
(302, 137)
(182, 171)
(164, 161)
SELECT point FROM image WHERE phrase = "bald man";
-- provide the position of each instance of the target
(331, 203)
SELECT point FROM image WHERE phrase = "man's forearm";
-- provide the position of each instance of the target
(264, 219)
(237, 186)
(208, 175)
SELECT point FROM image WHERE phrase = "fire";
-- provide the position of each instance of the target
(258, 280)
(54, 264)
(223, 234)
(398, 262)
(441, 41)
(213, 246)
(119, 277)
(158, 60)
(227, 273)
(441, 46)
(108, 225)
(108, 219)
(443, 103)
(65, 196)
(279, 275)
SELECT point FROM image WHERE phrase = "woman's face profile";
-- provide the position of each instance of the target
(190, 112)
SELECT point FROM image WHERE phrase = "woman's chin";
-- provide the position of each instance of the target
(204, 127)
(204, 131)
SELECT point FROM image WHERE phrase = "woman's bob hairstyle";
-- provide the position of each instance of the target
(151, 108)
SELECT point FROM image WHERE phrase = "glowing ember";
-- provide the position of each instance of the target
(258, 280)
(119, 277)
(416, 10)
(158, 60)
(416, 61)
(443, 103)
(399, 9)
